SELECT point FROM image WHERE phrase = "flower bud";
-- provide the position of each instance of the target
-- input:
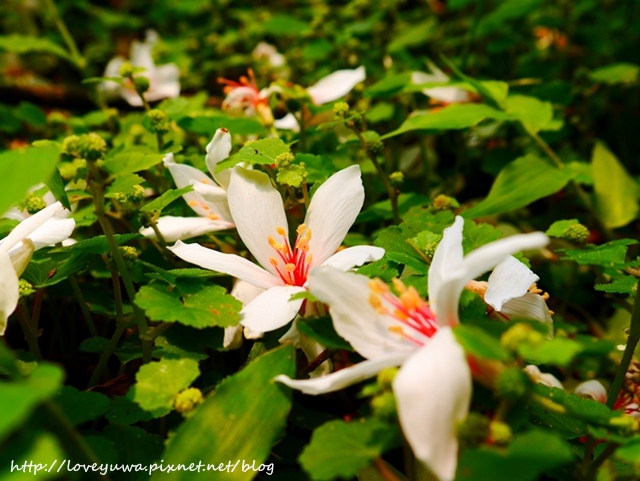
(129, 253)
(341, 109)
(519, 334)
(474, 430)
(284, 160)
(25, 288)
(33, 204)
(141, 84)
(91, 146)
(396, 178)
(384, 405)
(430, 249)
(159, 121)
(71, 146)
(444, 202)
(386, 377)
(576, 233)
(374, 147)
(513, 384)
(499, 432)
(188, 399)
(126, 69)
(56, 119)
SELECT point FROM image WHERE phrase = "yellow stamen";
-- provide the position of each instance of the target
(274, 261)
(308, 259)
(281, 231)
(376, 303)
(399, 286)
(290, 267)
(205, 206)
(205, 181)
(396, 330)
(377, 286)
(398, 314)
(213, 217)
(301, 229)
(193, 203)
(410, 299)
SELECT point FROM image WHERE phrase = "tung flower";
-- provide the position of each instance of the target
(433, 386)
(41, 229)
(258, 212)
(440, 94)
(208, 199)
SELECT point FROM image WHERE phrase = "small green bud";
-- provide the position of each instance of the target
(386, 377)
(141, 84)
(513, 384)
(284, 161)
(137, 131)
(474, 430)
(384, 405)
(129, 253)
(34, 204)
(626, 422)
(137, 195)
(396, 178)
(499, 432)
(430, 249)
(56, 119)
(444, 202)
(126, 69)
(71, 146)
(121, 197)
(374, 147)
(92, 147)
(187, 400)
(518, 334)
(576, 233)
(341, 109)
(25, 288)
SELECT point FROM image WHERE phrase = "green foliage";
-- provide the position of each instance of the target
(480, 344)
(321, 329)
(165, 199)
(262, 151)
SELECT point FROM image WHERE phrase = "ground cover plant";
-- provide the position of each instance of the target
(374, 241)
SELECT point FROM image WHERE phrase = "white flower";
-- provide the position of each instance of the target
(628, 399)
(164, 81)
(447, 95)
(41, 229)
(258, 212)
(268, 52)
(208, 199)
(543, 378)
(245, 293)
(433, 386)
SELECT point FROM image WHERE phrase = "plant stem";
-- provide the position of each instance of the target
(86, 313)
(97, 191)
(68, 39)
(29, 334)
(37, 308)
(384, 471)
(106, 354)
(627, 356)
(313, 365)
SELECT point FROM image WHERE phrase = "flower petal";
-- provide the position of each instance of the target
(288, 122)
(51, 232)
(164, 83)
(354, 256)
(542, 377)
(217, 151)
(140, 56)
(433, 392)
(257, 210)
(245, 292)
(309, 346)
(231, 264)
(510, 279)
(592, 389)
(333, 210)
(344, 377)
(232, 337)
(216, 199)
(336, 85)
(272, 309)
(354, 318)
(8, 290)
(529, 306)
(29, 225)
(182, 228)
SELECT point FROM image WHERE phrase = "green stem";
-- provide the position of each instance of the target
(106, 354)
(86, 313)
(29, 335)
(627, 356)
(68, 39)
(97, 191)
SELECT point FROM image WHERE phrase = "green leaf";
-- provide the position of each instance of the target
(611, 254)
(31, 114)
(477, 342)
(131, 159)
(21, 169)
(523, 181)
(527, 457)
(616, 73)
(247, 412)
(53, 269)
(56, 186)
(207, 125)
(580, 407)
(534, 114)
(97, 245)
(559, 351)
(165, 199)
(123, 185)
(19, 399)
(157, 383)
(456, 116)
(389, 85)
(558, 228)
(22, 44)
(211, 306)
(321, 329)
(621, 285)
(506, 12)
(282, 24)
(34, 446)
(413, 35)
(263, 151)
(340, 449)
(616, 191)
(82, 406)
(293, 175)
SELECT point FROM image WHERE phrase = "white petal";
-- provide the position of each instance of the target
(354, 318)
(245, 292)
(333, 210)
(217, 151)
(354, 256)
(447, 94)
(592, 389)
(272, 309)
(164, 83)
(529, 306)
(232, 337)
(140, 56)
(216, 199)
(249, 334)
(51, 232)
(336, 85)
(345, 377)
(239, 99)
(231, 264)
(433, 393)
(288, 122)
(8, 290)
(182, 228)
(542, 377)
(510, 279)
(257, 210)
(27, 226)
(447, 257)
